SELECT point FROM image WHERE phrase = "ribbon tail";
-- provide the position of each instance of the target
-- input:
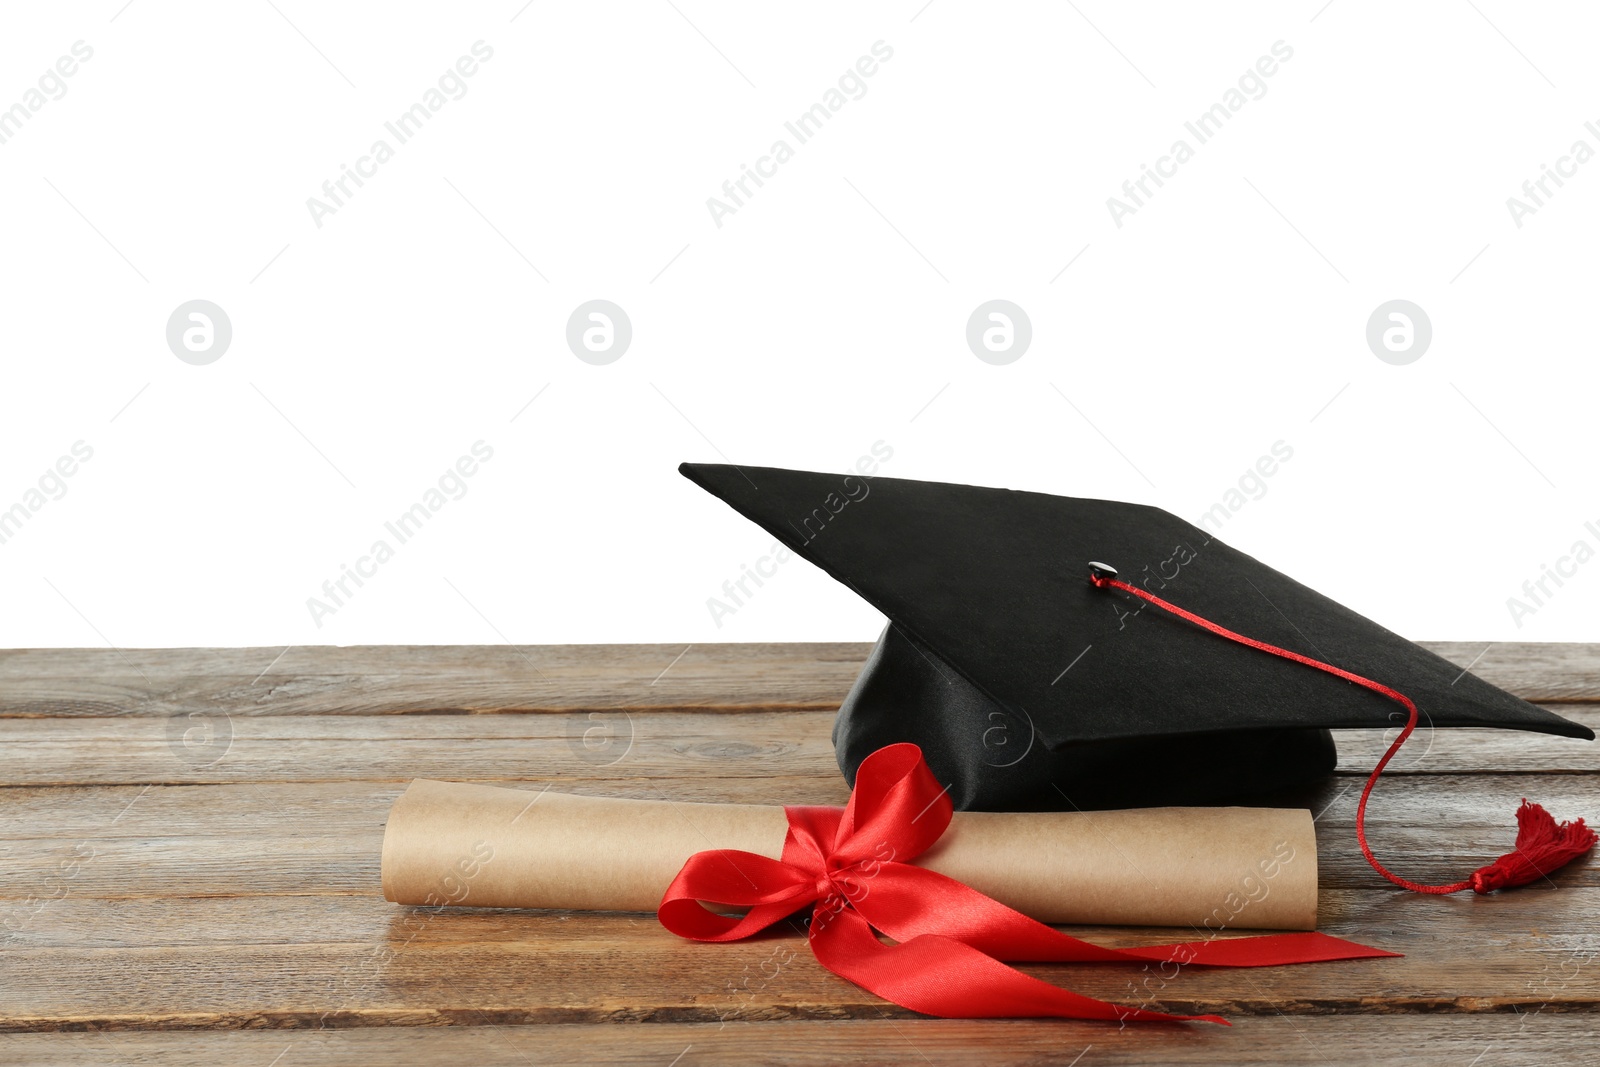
(906, 902)
(940, 976)
(1265, 950)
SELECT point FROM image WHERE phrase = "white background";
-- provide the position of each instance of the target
(827, 314)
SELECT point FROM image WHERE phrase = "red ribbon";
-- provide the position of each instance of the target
(852, 867)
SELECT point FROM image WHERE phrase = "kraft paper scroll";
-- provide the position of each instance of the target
(451, 843)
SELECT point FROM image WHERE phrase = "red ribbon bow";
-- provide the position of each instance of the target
(852, 864)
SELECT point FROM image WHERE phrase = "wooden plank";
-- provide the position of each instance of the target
(404, 679)
(90, 923)
(275, 839)
(574, 746)
(1552, 672)
(1469, 751)
(400, 679)
(309, 961)
(398, 748)
(1434, 802)
(1508, 1040)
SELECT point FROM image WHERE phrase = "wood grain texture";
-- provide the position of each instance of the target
(476, 679)
(209, 748)
(189, 852)
(293, 962)
(403, 679)
(1531, 1040)
(276, 838)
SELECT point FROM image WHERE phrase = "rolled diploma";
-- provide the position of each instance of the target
(1207, 868)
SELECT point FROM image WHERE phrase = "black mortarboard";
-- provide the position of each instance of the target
(1027, 686)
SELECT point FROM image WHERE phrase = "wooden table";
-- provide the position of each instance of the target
(189, 874)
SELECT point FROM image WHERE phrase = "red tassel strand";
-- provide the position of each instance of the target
(1542, 844)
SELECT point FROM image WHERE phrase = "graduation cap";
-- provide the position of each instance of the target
(1032, 680)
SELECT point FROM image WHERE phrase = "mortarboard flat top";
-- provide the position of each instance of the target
(1027, 686)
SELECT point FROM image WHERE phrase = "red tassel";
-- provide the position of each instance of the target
(1542, 846)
